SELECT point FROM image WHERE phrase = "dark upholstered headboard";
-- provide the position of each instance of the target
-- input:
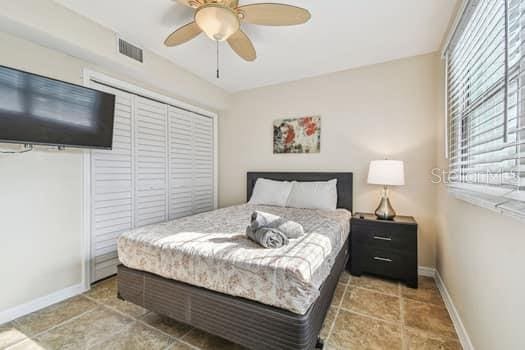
(344, 183)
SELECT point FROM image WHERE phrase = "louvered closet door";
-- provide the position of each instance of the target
(202, 164)
(111, 189)
(151, 162)
(190, 163)
(180, 163)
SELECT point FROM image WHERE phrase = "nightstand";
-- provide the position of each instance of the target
(385, 248)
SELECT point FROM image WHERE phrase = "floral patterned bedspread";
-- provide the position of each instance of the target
(211, 250)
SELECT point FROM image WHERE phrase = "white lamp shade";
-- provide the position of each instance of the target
(386, 172)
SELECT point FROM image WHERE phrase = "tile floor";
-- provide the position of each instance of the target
(366, 313)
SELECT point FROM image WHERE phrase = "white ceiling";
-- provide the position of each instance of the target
(342, 34)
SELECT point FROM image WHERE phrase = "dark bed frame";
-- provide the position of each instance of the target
(251, 324)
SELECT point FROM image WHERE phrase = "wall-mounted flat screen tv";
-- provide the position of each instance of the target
(44, 111)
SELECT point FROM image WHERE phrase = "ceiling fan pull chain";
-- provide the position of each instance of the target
(218, 76)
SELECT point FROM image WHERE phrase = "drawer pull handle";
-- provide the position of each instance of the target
(383, 238)
(382, 259)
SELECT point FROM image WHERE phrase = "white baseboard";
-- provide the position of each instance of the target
(426, 271)
(464, 339)
(40, 303)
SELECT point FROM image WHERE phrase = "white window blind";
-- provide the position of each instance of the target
(485, 102)
(161, 168)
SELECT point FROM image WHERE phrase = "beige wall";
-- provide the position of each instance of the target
(41, 191)
(480, 256)
(367, 113)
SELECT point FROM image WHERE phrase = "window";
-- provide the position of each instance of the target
(485, 120)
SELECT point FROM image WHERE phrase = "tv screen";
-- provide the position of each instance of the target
(40, 110)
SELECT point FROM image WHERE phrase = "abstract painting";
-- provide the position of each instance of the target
(297, 135)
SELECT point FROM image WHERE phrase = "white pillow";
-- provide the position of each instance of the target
(269, 192)
(314, 195)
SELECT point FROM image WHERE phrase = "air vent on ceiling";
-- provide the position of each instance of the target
(130, 50)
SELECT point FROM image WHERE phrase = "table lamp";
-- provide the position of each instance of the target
(386, 173)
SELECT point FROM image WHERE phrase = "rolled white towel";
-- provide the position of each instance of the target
(290, 228)
(267, 237)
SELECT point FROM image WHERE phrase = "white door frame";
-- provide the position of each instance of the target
(88, 76)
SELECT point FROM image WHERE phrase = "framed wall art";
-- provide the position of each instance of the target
(297, 135)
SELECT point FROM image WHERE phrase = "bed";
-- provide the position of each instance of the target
(201, 270)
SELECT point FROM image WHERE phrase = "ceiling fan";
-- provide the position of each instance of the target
(221, 20)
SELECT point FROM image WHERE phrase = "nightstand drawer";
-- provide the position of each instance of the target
(385, 235)
(382, 262)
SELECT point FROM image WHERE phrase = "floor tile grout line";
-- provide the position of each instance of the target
(36, 335)
(338, 308)
(139, 320)
(8, 345)
(404, 341)
(63, 322)
(426, 302)
(185, 334)
(113, 334)
(17, 322)
(392, 323)
(377, 291)
(432, 335)
(102, 305)
(115, 309)
(427, 333)
(357, 312)
(189, 344)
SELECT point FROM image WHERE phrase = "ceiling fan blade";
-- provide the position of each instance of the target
(242, 45)
(191, 3)
(274, 14)
(183, 34)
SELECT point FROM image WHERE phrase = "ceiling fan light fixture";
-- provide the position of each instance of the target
(218, 22)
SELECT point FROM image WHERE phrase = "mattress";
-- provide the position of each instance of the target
(210, 250)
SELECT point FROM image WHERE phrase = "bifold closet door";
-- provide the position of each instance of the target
(160, 168)
(151, 162)
(112, 189)
(203, 199)
(191, 167)
(180, 128)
